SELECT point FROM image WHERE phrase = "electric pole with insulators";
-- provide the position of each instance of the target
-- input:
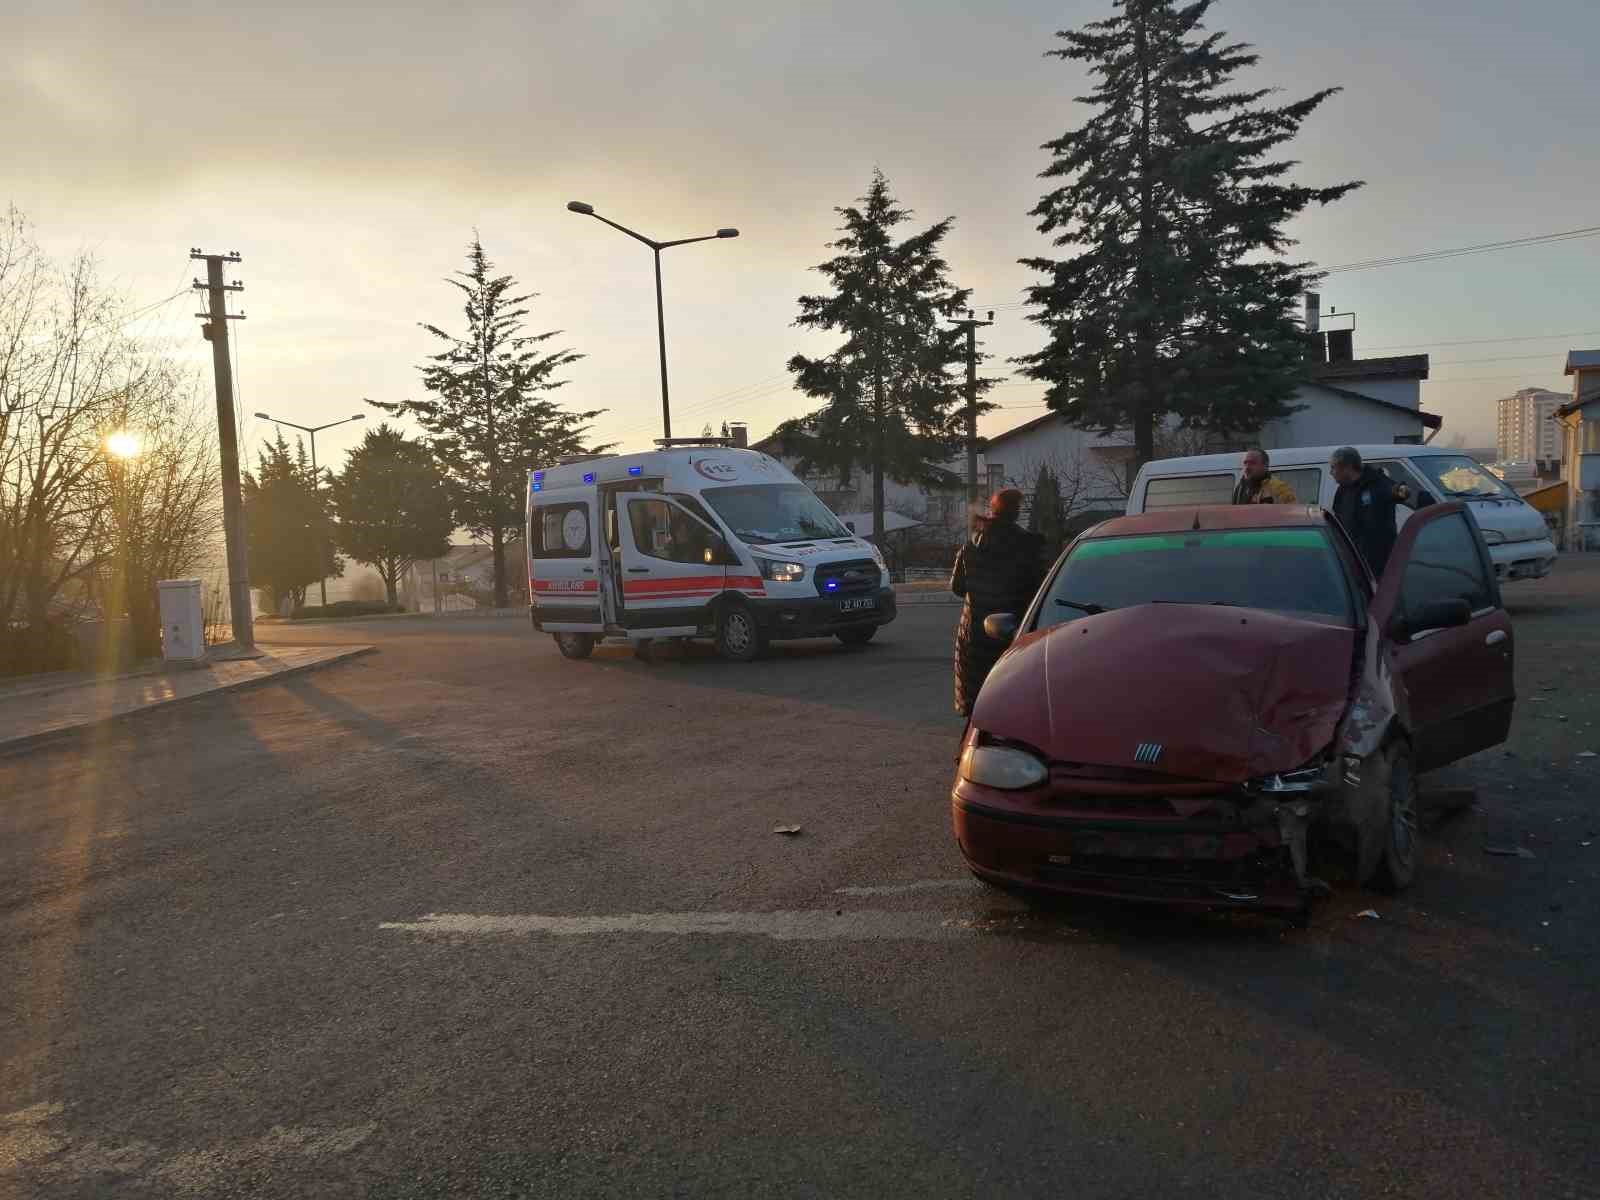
(971, 325)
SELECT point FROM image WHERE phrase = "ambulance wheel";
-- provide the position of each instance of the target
(738, 636)
(857, 637)
(574, 645)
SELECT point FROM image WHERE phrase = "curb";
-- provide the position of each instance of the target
(33, 741)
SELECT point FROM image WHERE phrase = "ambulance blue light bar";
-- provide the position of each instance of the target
(635, 470)
(588, 476)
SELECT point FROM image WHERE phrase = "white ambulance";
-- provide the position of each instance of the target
(697, 538)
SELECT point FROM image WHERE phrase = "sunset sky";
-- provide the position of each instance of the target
(348, 152)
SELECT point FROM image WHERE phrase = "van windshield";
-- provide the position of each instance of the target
(774, 512)
(1462, 478)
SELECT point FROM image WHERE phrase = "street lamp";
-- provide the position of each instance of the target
(587, 210)
(316, 477)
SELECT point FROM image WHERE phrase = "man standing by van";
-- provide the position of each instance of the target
(1364, 505)
(1256, 482)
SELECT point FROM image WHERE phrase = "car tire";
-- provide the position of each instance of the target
(857, 637)
(739, 638)
(574, 645)
(1402, 846)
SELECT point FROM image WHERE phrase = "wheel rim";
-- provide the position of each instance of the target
(736, 632)
(1403, 822)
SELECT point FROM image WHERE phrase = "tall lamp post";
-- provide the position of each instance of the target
(587, 210)
(316, 477)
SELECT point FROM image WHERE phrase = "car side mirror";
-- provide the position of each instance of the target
(1436, 614)
(1000, 627)
(850, 525)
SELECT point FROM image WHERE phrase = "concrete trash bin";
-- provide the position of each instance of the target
(183, 623)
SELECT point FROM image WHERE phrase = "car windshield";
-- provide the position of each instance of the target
(1293, 571)
(1461, 478)
(774, 512)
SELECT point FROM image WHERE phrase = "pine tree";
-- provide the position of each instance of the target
(489, 418)
(891, 389)
(286, 524)
(1176, 299)
(393, 505)
(1045, 516)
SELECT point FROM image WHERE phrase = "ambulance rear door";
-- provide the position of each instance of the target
(563, 578)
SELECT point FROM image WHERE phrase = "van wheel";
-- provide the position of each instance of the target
(857, 637)
(1397, 863)
(574, 645)
(739, 638)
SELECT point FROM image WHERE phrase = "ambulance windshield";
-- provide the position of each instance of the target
(774, 512)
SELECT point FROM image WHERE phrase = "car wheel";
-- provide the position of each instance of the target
(857, 637)
(739, 638)
(574, 645)
(1397, 863)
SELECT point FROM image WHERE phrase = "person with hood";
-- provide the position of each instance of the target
(998, 570)
(1365, 504)
(1257, 484)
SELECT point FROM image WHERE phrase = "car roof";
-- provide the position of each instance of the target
(1220, 516)
(1293, 456)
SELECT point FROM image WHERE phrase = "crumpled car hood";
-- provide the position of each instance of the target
(1228, 694)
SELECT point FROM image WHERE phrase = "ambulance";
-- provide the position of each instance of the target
(695, 539)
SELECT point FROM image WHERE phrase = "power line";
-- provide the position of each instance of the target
(1369, 264)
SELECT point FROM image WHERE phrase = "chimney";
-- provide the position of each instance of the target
(740, 434)
(1316, 348)
(1313, 313)
(1341, 345)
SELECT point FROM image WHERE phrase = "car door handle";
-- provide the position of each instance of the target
(588, 570)
(1495, 638)
(638, 570)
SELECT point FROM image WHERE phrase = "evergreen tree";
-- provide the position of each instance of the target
(1176, 299)
(489, 419)
(393, 505)
(891, 389)
(1045, 518)
(286, 524)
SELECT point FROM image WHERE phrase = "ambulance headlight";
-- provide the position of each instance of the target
(779, 571)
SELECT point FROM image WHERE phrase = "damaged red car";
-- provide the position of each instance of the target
(1201, 700)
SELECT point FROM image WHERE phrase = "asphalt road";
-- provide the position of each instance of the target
(462, 918)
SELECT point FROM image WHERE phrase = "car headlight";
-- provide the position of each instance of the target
(779, 571)
(877, 556)
(1002, 767)
(1492, 537)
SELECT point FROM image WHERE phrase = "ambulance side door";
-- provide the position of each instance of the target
(563, 535)
(672, 566)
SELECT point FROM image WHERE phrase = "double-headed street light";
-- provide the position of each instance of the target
(587, 210)
(316, 477)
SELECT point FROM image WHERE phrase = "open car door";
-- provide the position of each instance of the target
(673, 565)
(1447, 637)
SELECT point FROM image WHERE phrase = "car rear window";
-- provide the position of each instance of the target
(1293, 571)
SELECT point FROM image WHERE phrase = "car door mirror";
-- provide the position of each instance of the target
(1436, 614)
(1000, 627)
(850, 525)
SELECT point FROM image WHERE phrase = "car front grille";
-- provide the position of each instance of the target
(855, 577)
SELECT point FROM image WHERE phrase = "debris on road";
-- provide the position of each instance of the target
(786, 830)
(1509, 851)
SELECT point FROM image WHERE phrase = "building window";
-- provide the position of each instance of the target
(1589, 437)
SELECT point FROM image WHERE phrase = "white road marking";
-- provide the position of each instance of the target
(923, 885)
(808, 925)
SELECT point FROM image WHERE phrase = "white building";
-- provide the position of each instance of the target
(1527, 431)
(1580, 468)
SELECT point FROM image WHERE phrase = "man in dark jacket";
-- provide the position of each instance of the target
(998, 570)
(1364, 505)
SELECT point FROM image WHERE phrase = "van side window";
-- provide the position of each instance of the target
(1305, 482)
(1186, 491)
(560, 531)
(663, 531)
(1399, 474)
(1445, 565)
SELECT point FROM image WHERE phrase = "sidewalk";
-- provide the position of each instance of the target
(58, 706)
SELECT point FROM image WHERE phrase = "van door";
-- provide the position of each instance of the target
(563, 580)
(671, 568)
(1458, 678)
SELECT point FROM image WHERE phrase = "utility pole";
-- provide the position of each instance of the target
(971, 325)
(215, 330)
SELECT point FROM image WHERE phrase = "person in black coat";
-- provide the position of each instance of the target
(1364, 505)
(998, 570)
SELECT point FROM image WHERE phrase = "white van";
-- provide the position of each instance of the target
(695, 539)
(1517, 537)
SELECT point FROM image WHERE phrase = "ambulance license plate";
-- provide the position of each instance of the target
(865, 604)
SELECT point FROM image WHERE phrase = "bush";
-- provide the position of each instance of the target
(346, 608)
(25, 649)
